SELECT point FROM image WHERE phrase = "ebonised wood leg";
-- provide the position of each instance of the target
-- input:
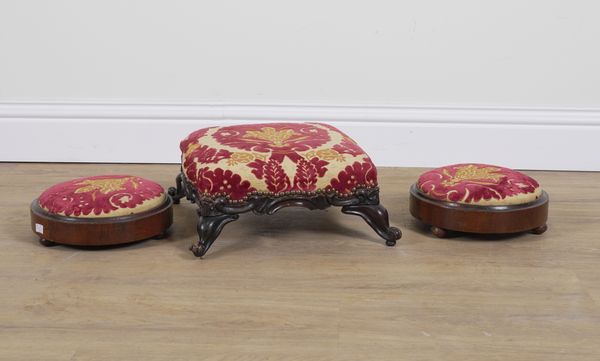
(540, 229)
(209, 228)
(177, 193)
(439, 232)
(377, 217)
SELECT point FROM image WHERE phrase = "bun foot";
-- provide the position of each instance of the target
(540, 229)
(47, 243)
(439, 232)
(161, 235)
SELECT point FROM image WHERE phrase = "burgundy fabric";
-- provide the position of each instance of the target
(99, 195)
(473, 182)
(276, 158)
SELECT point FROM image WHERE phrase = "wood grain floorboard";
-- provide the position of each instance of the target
(302, 285)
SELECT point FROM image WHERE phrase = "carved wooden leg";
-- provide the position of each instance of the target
(209, 228)
(377, 217)
(439, 232)
(177, 193)
(540, 229)
(47, 243)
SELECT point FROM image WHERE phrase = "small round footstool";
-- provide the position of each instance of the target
(479, 198)
(101, 210)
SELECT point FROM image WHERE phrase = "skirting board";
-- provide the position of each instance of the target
(552, 139)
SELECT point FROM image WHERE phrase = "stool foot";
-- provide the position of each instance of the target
(377, 217)
(540, 229)
(162, 235)
(439, 232)
(47, 243)
(209, 228)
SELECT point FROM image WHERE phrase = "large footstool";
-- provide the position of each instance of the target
(265, 167)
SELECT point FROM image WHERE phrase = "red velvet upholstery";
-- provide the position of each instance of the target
(275, 158)
(479, 184)
(102, 196)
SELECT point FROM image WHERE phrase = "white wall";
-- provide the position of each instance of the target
(536, 54)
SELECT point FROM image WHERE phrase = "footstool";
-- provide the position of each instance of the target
(263, 168)
(479, 198)
(101, 210)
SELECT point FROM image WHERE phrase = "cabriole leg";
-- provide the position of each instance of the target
(209, 228)
(377, 217)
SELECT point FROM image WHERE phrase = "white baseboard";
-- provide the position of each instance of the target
(553, 139)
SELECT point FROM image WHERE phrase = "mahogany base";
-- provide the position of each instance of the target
(215, 213)
(56, 229)
(448, 216)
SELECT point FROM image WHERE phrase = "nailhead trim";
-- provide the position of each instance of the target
(317, 192)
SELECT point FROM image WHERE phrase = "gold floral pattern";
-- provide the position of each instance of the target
(474, 174)
(105, 185)
(325, 154)
(479, 184)
(102, 196)
(275, 137)
(275, 158)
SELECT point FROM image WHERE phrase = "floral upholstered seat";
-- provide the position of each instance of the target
(103, 210)
(102, 196)
(275, 158)
(479, 184)
(263, 168)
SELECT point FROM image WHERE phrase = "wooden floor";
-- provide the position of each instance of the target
(303, 285)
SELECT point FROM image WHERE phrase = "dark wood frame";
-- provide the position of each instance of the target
(105, 231)
(448, 216)
(215, 212)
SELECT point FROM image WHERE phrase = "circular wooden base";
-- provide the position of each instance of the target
(449, 216)
(53, 228)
